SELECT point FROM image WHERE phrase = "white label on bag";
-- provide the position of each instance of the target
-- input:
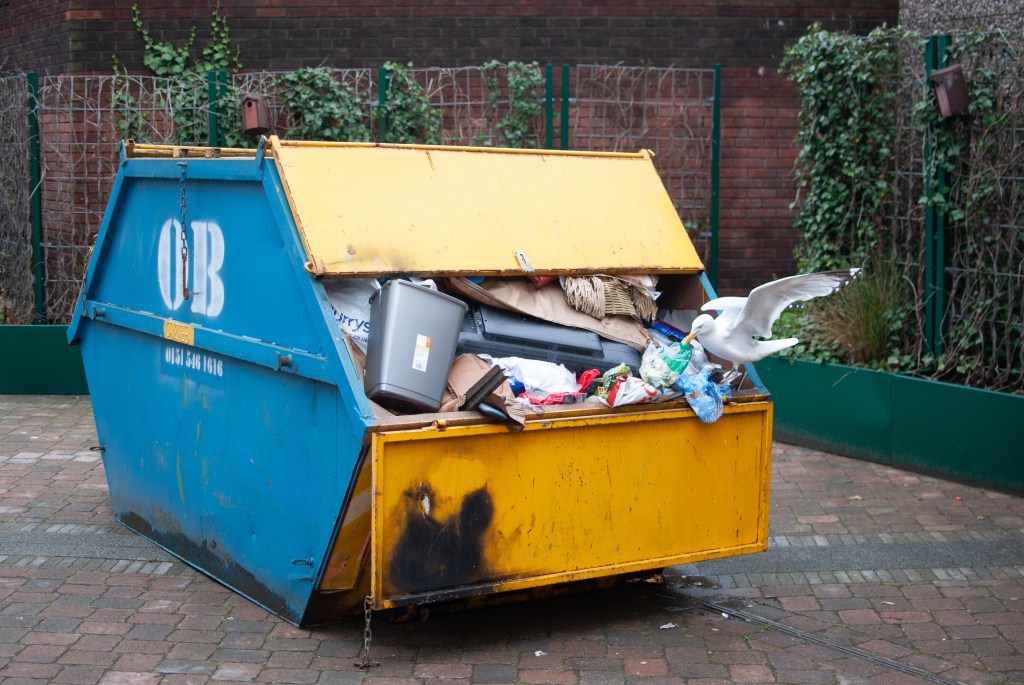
(419, 357)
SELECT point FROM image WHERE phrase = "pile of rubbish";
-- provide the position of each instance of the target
(440, 345)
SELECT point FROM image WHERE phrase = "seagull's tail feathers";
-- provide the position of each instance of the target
(773, 346)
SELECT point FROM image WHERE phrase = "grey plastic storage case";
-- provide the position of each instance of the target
(411, 347)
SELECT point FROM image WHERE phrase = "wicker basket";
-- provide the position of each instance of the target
(601, 296)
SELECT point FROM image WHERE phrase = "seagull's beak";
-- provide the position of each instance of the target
(689, 339)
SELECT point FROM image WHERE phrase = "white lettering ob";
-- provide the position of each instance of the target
(206, 257)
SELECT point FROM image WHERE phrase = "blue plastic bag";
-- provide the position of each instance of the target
(703, 395)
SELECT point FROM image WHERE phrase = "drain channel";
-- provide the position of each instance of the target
(852, 651)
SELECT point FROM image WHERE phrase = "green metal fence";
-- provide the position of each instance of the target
(962, 252)
(81, 118)
(943, 237)
(18, 283)
(672, 112)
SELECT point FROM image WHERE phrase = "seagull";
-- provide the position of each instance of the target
(731, 335)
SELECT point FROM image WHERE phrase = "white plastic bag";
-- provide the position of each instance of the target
(661, 365)
(619, 388)
(698, 358)
(539, 378)
(350, 302)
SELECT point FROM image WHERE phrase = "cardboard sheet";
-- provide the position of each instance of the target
(467, 369)
(548, 303)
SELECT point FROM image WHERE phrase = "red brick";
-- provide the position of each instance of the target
(751, 673)
(547, 677)
(906, 617)
(41, 638)
(798, 604)
(856, 617)
(30, 670)
(128, 678)
(40, 653)
(443, 671)
(646, 667)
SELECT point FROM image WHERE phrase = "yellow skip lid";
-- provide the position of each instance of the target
(366, 209)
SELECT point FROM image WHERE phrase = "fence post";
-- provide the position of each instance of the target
(382, 97)
(716, 152)
(934, 222)
(211, 109)
(565, 108)
(222, 94)
(549, 107)
(36, 199)
(216, 89)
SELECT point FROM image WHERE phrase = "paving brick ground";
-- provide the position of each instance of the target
(873, 575)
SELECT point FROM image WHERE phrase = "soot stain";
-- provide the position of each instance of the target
(433, 554)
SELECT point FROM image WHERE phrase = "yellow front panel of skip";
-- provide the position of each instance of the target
(476, 510)
(377, 210)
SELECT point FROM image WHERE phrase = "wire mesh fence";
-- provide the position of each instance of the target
(902, 244)
(985, 225)
(468, 114)
(17, 296)
(666, 110)
(79, 161)
(82, 118)
(980, 235)
(942, 239)
(460, 94)
(268, 86)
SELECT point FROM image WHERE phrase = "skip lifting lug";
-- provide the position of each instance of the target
(304, 562)
(261, 151)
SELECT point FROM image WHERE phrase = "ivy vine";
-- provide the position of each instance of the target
(321, 108)
(186, 97)
(974, 181)
(130, 120)
(405, 114)
(846, 124)
(876, 161)
(525, 84)
(845, 159)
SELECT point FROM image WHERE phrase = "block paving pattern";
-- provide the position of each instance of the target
(85, 610)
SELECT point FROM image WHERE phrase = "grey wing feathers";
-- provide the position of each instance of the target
(766, 302)
(729, 308)
(724, 304)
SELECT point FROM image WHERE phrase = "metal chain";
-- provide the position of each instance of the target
(364, 661)
(184, 241)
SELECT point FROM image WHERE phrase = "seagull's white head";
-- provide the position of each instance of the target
(701, 324)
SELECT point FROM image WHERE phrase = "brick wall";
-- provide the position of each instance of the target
(34, 36)
(759, 113)
(286, 33)
(746, 36)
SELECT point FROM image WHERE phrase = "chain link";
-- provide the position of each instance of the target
(364, 661)
(184, 241)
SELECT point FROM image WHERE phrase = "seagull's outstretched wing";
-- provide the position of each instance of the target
(729, 307)
(766, 302)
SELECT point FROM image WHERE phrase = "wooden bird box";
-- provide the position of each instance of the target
(950, 90)
(255, 117)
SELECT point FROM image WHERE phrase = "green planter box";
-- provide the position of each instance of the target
(37, 360)
(951, 431)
